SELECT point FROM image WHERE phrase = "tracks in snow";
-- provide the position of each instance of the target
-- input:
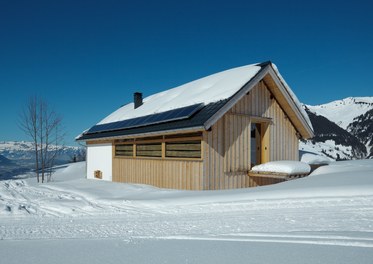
(338, 222)
(41, 212)
(353, 240)
(22, 200)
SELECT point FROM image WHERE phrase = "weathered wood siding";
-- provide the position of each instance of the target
(227, 145)
(175, 174)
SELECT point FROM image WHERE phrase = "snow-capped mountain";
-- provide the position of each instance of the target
(343, 112)
(24, 150)
(343, 128)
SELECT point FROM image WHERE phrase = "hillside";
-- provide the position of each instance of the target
(332, 140)
(343, 128)
(343, 112)
(362, 128)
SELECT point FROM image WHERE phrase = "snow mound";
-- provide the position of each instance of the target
(283, 166)
(315, 159)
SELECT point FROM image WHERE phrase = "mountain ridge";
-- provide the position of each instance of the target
(342, 112)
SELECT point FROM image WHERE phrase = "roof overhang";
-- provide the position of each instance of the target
(149, 134)
(277, 87)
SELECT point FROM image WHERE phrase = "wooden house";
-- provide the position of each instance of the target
(203, 135)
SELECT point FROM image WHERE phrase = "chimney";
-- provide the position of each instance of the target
(137, 99)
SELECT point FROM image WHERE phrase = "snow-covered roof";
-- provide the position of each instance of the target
(213, 88)
(227, 86)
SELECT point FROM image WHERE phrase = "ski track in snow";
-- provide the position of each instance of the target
(36, 213)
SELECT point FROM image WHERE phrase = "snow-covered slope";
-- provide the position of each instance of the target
(343, 128)
(342, 112)
(332, 141)
(324, 218)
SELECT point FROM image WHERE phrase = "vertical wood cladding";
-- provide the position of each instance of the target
(174, 174)
(227, 145)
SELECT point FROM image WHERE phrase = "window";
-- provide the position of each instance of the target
(124, 150)
(149, 150)
(181, 146)
(186, 149)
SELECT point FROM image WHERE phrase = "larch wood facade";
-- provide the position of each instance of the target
(227, 145)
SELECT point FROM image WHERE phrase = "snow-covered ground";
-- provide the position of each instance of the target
(324, 218)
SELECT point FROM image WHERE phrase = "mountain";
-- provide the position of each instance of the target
(332, 140)
(362, 128)
(343, 112)
(343, 128)
(24, 150)
(17, 157)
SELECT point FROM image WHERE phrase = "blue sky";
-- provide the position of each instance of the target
(86, 58)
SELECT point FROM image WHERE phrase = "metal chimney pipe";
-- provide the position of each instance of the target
(137, 99)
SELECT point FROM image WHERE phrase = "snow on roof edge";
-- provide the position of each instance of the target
(293, 97)
(244, 73)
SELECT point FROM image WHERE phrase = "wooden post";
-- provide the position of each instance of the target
(264, 127)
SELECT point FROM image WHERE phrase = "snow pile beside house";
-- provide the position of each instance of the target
(311, 158)
(290, 167)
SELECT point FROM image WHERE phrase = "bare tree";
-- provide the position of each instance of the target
(43, 126)
(29, 124)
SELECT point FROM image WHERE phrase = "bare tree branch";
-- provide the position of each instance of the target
(44, 126)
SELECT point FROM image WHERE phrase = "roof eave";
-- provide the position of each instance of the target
(163, 132)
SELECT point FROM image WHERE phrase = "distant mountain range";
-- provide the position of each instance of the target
(343, 128)
(17, 157)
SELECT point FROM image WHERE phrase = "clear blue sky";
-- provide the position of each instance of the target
(86, 58)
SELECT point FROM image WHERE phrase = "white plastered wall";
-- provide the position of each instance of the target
(99, 157)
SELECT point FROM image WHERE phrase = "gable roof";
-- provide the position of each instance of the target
(215, 94)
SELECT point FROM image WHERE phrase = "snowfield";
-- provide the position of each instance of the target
(324, 218)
